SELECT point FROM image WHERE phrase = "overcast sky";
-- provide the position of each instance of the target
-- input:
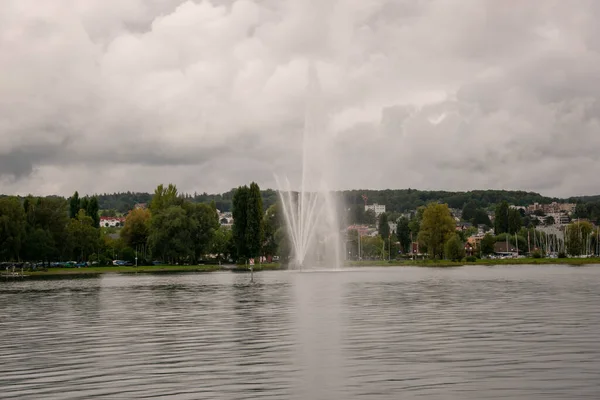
(112, 95)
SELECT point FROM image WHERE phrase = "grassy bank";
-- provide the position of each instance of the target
(125, 270)
(261, 267)
(148, 269)
(444, 263)
(51, 272)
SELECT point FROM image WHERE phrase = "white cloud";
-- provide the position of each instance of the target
(110, 95)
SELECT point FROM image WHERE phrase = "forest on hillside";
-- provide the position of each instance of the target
(395, 200)
(398, 200)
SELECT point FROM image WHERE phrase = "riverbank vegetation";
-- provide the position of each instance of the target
(43, 232)
(169, 227)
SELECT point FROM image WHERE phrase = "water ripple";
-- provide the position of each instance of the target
(469, 333)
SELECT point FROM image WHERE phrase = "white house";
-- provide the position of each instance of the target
(106, 222)
(378, 209)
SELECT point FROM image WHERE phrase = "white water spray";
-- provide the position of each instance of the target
(311, 213)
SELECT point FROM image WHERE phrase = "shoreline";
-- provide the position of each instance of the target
(128, 270)
(485, 262)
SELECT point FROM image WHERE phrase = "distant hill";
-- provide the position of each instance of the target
(397, 200)
(400, 200)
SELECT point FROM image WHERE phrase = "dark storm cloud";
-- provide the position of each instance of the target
(211, 94)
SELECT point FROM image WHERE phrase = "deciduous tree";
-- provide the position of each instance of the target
(436, 227)
(206, 223)
(92, 210)
(271, 223)
(171, 235)
(453, 249)
(501, 218)
(12, 228)
(403, 234)
(136, 230)
(164, 198)
(254, 223)
(74, 205)
(384, 227)
(240, 221)
(84, 238)
(487, 244)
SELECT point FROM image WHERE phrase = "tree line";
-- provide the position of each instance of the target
(433, 229)
(172, 229)
(396, 200)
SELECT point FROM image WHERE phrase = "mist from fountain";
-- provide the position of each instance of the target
(311, 213)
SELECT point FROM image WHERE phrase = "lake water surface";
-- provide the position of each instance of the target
(510, 332)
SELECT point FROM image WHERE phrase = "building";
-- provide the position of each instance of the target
(475, 240)
(463, 226)
(225, 218)
(505, 249)
(107, 222)
(553, 207)
(378, 209)
(560, 218)
(364, 230)
(393, 227)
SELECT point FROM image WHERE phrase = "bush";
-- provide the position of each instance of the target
(454, 249)
(536, 254)
(471, 258)
(562, 255)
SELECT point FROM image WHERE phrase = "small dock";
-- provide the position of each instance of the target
(12, 274)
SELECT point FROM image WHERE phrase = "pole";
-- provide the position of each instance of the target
(359, 246)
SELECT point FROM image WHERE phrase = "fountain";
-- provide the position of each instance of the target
(311, 214)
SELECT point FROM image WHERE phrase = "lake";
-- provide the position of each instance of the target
(518, 332)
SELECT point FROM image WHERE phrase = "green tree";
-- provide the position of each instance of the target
(356, 214)
(436, 227)
(93, 210)
(74, 205)
(171, 233)
(83, 205)
(254, 221)
(136, 230)
(39, 245)
(370, 218)
(240, 221)
(469, 210)
(514, 221)
(164, 198)
(83, 237)
(581, 211)
(50, 214)
(372, 247)
(284, 245)
(12, 228)
(501, 218)
(415, 223)
(384, 227)
(403, 234)
(549, 220)
(454, 249)
(577, 235)
(222, 244)
(271, 223)
(108, 213)
(480, 217)
(487, 244)
(206, 223)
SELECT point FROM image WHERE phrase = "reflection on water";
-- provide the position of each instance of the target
(466, 333)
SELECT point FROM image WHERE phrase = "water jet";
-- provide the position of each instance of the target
(311, 214)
